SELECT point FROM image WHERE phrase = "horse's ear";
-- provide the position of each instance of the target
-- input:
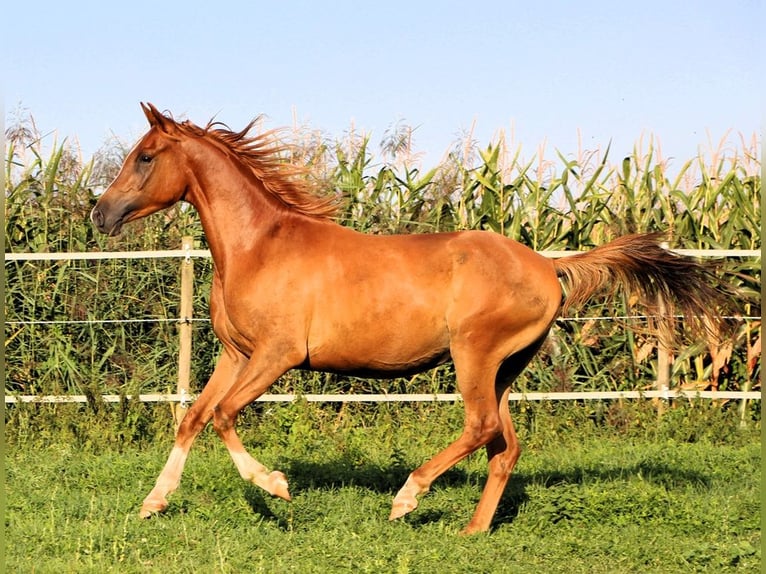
(157, 118)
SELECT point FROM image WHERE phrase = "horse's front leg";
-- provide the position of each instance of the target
(261, 371)
(274, 482)
(196, 418)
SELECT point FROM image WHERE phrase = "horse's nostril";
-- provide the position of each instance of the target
(97, 218)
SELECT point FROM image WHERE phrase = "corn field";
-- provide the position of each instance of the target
(93, 327)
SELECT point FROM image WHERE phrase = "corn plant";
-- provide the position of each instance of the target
(564, 202)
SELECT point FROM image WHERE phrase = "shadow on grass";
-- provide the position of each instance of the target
(256, 500)
(657, 473)
(343, 472)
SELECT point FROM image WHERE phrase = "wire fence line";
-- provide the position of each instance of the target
(187, 320)
(182, 320)
(183, 397)
(205, 253)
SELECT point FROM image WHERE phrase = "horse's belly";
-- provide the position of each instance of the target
(376, 367)
(379, 350)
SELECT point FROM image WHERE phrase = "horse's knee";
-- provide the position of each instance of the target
(192, 423)
(223, 421)
(482, 431)
(503, 455)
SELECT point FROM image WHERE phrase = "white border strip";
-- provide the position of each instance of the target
(179, 253)
(404, 398)
(687, 252)
(202, 253)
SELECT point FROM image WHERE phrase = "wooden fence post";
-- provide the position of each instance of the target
(663, 374)
(664, 358)
(185, 330)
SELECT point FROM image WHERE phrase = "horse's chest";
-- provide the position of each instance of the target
(248, 322)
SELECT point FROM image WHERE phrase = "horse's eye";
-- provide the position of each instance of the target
(145, 158)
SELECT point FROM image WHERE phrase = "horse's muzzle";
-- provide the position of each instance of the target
(102, 224)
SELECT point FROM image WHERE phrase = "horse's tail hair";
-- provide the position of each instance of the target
(667, 284)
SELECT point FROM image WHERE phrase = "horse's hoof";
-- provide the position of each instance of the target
(402, 507)
(278, 485)
(406, 500)
(152, 507)
(470, 530)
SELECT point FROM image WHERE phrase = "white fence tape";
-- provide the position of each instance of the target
(406, 398)
(204, 253)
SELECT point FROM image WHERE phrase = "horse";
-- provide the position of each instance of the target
(294, 289)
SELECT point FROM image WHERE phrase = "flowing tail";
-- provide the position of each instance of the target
(667, 284)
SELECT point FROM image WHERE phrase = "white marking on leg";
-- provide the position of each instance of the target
(167, 483)
(250, 469)
(406, 499)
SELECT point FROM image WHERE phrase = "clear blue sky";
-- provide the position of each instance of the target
(614, 70)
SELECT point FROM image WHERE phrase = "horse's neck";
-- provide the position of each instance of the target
(235, 216)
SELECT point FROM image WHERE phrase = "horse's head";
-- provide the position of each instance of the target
(151, 178)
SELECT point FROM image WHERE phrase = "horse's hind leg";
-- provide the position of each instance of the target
(503, 451)
(476, 380)
(484, 387)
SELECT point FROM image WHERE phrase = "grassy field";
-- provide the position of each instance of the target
(600, 487)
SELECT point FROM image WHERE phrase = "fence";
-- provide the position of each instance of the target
(181, 399)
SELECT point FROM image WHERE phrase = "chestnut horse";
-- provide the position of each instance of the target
(293, 289)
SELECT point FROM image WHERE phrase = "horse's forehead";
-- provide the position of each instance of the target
(150, 139)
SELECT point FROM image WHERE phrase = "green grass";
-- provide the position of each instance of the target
(626, 492)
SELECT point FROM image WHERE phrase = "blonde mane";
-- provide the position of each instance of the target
(263, 155)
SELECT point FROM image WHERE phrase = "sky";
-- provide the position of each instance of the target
(566, 74)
